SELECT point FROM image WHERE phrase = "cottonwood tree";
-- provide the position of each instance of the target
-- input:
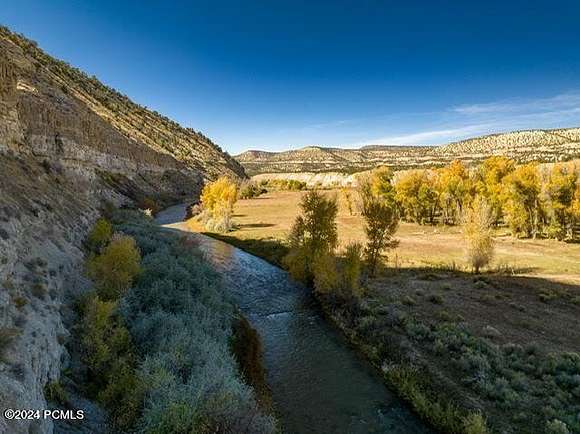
(489, 182)
(218, 199)
(522, 201)
(560, 190)
(417, 196)
(313, 239)
(381, 221)
(455, 190)
(477, 224)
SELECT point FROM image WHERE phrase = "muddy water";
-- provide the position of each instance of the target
(319, 384)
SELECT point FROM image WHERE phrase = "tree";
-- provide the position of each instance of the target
(489, 182)
(115, 269)
(381, 184)
(381, 222)
(522, 200)
(218, 199)
(417, 196)
(455, 189)
(560, 189)
(477, 230)
(313, 236)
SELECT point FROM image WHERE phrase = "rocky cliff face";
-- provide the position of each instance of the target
(67, 143)
(523, 146)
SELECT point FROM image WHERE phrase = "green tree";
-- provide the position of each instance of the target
(313, 236)
(381, 221)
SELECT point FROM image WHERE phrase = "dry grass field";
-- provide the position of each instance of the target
(271, 216)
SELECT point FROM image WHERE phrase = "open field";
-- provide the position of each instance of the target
(497, 342)
(271, 216)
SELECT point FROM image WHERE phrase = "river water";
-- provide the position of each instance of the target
(319, 384)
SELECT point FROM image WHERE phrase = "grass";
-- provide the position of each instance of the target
(270, 217)
(469, 336)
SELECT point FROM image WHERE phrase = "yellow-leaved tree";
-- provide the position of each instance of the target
(489, 182)
(477, 224)
(218, 199)
(115, 269)
(521, 193)
(560, 190)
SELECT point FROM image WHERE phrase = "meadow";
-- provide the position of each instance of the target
(503, 342)
(270, 217)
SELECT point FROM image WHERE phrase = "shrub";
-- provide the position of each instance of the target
(100, 235)
(107, 351)
(181, 321)
(54, 392)
(115, 269)
(7, 336)
(249, 190)
(474, 423)
(325, 273)
(477, 223)
(351, 269)
(149, 205)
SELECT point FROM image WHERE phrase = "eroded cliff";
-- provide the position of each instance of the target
(68, 144)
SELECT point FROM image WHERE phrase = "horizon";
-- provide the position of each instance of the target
(289, 76)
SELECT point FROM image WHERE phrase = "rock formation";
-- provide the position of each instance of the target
(68, 144)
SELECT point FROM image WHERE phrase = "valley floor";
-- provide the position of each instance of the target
(505, 342)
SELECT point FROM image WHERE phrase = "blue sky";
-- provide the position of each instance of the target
(285, 74)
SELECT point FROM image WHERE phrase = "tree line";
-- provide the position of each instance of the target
(531, 200)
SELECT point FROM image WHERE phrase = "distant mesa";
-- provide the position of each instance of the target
(523, 146)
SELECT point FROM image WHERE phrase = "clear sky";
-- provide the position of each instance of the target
(285, 74)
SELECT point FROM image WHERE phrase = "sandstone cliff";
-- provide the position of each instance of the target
(67, 143)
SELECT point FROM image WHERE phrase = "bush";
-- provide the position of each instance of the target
(351, 270)
(249, 190)
(100, 235)
(181, 322)
(107, 351)
(477, 225)
(115, 269)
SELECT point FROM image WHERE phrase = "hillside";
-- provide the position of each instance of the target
(69, 145)
(523, 146)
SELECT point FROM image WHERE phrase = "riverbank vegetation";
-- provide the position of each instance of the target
(157, 336)
(473, 348)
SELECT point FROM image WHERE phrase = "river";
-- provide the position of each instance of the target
(319, 384)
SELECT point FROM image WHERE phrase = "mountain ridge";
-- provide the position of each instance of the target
(543, 145)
